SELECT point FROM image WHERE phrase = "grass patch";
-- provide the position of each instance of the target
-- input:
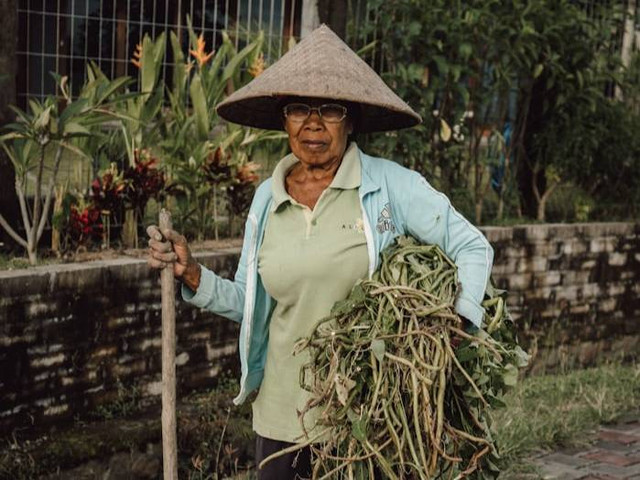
(215, 439)
(563, 410)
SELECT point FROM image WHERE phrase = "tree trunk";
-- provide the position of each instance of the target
(500, 213)
(334, 14)
(479, 211)
(542, 207)
(9, 206)
(534, 123)
(59, 193)
(130, 228)
(310, 17)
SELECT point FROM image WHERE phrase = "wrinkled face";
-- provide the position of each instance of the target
(315, 141)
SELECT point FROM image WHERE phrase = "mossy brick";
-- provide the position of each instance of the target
(603, 244)
(498, 234)
(544, 279)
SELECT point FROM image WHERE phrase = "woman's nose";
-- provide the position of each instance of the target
(314, 121)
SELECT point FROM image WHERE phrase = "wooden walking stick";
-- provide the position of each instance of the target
(169, 437)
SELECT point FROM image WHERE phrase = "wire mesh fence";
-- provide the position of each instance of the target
(63, 35)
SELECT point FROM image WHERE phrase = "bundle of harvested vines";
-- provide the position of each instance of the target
(400, 389)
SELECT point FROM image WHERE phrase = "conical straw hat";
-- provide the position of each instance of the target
(320, 66)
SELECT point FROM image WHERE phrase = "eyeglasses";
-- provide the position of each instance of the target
(329, 112)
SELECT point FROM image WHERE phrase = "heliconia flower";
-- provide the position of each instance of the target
(137, 56)
(199, 53)
(257, 67)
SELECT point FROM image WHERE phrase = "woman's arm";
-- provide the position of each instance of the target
(430, 217)
(220, 295)
(200, 286)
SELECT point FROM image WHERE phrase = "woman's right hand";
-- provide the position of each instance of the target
(169, 248)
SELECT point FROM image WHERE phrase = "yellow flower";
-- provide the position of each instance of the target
(199, 53)
(257, 67)
(137, 56)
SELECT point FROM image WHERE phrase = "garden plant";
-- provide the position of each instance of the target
(517, 100)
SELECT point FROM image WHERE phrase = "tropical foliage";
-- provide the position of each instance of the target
(516, 98)
(161, 143)
(47, 126)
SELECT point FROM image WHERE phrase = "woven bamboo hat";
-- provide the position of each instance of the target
(320, 66)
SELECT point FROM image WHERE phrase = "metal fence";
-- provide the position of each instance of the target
(63, 35)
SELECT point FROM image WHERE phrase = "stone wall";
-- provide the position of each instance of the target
(574, 289)
(71, 334)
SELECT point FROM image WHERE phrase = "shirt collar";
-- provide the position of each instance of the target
(348, 176)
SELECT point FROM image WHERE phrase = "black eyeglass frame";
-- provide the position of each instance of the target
(318, 109)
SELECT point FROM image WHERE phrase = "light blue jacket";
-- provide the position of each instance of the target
(395, 201)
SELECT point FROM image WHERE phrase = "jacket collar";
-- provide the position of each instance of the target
(349, 175)
(368, 184)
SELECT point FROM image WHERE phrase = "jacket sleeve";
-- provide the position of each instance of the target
(220, 295)
(430, 218)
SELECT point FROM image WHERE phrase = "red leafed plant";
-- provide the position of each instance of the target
(107, 191)
(216, 166)
(242, 187)
(143, 181)
(85, 225)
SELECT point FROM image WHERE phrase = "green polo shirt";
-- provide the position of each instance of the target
(308, 260)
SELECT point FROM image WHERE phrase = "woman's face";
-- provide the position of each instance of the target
(315, 141)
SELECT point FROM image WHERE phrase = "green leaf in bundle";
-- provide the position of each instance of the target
(494, 401)
(344, 386)
(341, 308)
(482, 379)
(510, 375)
(521, 356)
(378, 347)
(359, 430)
(465, 353)
(358, 295)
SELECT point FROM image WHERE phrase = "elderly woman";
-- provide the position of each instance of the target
(316, 227)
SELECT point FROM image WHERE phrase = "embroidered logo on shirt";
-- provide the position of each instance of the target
(357, 226)
(385, 222)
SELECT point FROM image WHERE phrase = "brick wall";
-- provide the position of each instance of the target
(70, 333)
(574, 289)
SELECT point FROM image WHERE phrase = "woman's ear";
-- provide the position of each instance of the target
(349, 126)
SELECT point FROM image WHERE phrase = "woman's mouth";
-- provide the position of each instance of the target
(314, 144)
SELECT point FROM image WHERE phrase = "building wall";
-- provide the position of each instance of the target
(71, 334)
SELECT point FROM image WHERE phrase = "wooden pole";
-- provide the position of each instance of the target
(169, 437)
